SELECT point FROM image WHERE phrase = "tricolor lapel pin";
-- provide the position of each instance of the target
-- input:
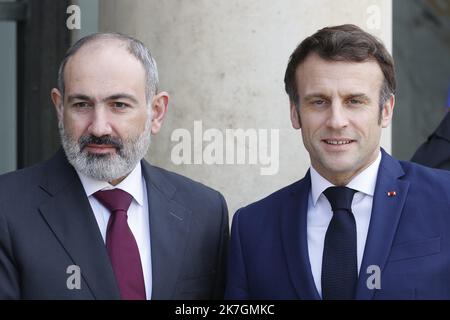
(392, 194)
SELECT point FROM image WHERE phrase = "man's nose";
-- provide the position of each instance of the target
(100, 125)
(337, 118)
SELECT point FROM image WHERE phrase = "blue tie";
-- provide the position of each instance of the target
(339, 263)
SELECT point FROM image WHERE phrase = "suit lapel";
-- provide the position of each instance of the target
(169, 230)
(386, 212)
(70, 217)
(295, 242)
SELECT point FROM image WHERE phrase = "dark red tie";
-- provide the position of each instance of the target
(121, 245)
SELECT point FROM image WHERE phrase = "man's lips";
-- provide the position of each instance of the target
(338, 141)
(338, 144)
(100, 148)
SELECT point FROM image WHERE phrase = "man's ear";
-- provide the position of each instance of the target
(57, 99)
(295, 117)
(159, 110)
(387, 112)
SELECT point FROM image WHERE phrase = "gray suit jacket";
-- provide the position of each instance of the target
(47, 224)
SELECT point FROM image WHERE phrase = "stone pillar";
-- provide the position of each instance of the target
(223, 64)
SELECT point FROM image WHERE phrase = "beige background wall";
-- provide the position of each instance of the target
(223, 64)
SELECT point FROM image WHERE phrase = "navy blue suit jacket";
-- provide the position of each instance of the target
(47, 224)
(408, 239)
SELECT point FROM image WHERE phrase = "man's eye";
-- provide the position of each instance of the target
(81, 105)
(355, 101)
(120, 105)
(318, 102)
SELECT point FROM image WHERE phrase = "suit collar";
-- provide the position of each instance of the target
(294, 238)
(389, 199)
(70, 217)
(170, 224)
(157, 179)
(58, 173)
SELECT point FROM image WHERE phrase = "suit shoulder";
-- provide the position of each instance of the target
(21, 178)
(421, 173)
(183, 183)
(208, 206)
(427, 179)
(272, 203)
(191, 193)
(20, 189)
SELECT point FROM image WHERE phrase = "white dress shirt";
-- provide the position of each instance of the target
(319, 215)
(138, 215)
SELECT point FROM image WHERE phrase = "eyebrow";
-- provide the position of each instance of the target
(323, 96)
(72, 97)
(358, 95)
(315, 95)
(121, 96)
(116, 96)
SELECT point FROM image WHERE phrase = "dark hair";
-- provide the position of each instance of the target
(134, 47)
(342, 43)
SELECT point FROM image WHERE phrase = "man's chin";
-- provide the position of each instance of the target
(100, 150)
(340, 167)
(337, 165)
(99, 155)
(102, 167)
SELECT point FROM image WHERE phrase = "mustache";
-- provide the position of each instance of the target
(103, 140)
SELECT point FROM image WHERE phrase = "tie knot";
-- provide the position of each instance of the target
(340, 198)
(114, 200)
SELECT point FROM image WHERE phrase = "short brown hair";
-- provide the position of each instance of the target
(342, 43)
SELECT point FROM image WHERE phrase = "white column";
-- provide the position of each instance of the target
(223, 63)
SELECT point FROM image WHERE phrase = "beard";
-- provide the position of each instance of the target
(110, 166)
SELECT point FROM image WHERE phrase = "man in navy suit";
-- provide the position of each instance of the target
(97, 221)
(360, 224)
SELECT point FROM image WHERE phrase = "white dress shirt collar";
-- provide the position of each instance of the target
(131, 184)
(364, 182)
